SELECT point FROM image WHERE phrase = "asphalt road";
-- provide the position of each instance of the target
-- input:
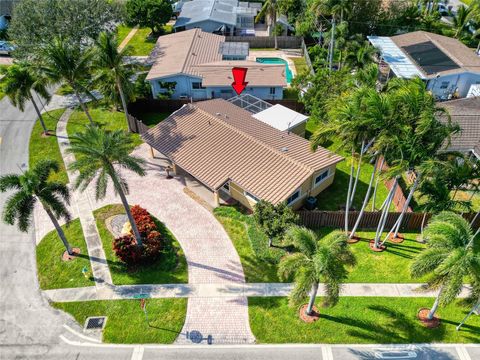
(31, 329)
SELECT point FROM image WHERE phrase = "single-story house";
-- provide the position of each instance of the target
(217, 16)
(197, 65)
(233, 154)
(466, 113)
(448, 67)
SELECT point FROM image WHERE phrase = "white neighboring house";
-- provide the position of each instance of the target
(449, 68)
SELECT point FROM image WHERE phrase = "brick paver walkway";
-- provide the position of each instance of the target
(82, 202)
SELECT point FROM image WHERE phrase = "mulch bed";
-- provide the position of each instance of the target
(308, 318)
(430, 324)
(397, 240)
(379, 249)
(67, 257)
(353, 239)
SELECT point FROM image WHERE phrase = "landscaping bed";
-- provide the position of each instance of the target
(53, 272)
(163, 271)
(126, 322)
(375, 320)
(46, 147)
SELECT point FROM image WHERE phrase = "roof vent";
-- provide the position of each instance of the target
(218, 114)
(284, 149)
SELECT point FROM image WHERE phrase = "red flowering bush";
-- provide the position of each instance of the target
(126, 247)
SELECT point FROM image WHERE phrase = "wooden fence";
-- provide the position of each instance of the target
(411, 221)
(137, 126)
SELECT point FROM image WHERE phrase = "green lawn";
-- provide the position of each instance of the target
(158, 273)
(359, 320)
(47, 147)
(126, 322)
(122, 32)
(259, 261)
(333, 198)
(105, 117)
(152, 118)
(390, 266)
(53, 273)
(300, 64)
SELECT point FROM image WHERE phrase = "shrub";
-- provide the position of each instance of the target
(126, 248)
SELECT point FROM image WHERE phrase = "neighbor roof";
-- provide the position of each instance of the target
(466, 113)
(280, 117)
(454, 50)
(221, 11)
(216, 141)
(197, 53)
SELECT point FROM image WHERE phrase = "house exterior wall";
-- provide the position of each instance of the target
(299, 129)
(184, 88)
(209, 26)
(445, 85)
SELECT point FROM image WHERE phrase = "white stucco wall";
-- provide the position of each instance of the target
(462, 81)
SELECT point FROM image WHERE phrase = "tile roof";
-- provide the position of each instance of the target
(197, 53)
(466, 113)
(216, 141)
(463, 56)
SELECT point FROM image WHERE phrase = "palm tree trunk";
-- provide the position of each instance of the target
(311, 302)
(124, 103)
(82, 105)
(59, 229)
(347, 202)
(423, 223)
(383, 218)
(474, 218)
(365, 201)
(358, 172)
(434, 308)
(398, 223)
(136, 233)
(376, 185)
(39, 114)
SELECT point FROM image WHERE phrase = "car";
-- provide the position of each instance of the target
(6, 48)
(442, 8)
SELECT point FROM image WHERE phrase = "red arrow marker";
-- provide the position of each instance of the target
(239, 75)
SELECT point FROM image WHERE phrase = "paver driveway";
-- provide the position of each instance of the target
(210, 254)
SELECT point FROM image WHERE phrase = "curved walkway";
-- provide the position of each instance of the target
(211, 256)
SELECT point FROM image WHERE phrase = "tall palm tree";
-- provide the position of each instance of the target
(269, 10)
(112, 70)
(32, 186)
(100, 155)
(317, 261)
(63, 61)
(452, 253)
(19, 82)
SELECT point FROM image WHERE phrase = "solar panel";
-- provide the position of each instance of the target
(430, 58)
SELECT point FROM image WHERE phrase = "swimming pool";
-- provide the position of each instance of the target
(274, 60)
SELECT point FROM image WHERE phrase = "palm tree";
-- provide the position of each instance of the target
(64, 61)
(112, 70)
(20, 79)
(98, 153)
(269, 10)
(452, 253)
(461, 20)
(32, 186)
(317, 261)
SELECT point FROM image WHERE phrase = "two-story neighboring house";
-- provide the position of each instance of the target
(197, 65)
(449, 68)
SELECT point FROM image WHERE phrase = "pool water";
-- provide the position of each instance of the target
(274, 60)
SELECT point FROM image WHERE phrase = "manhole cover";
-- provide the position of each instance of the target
(95, 323)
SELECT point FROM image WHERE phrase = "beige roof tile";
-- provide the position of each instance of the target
(216, 141)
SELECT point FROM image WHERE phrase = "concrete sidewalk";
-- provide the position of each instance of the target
(230, 290)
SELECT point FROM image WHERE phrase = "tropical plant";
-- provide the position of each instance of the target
(112, 71)
(452, 253)
(32, 186)
(100, 155)
(274, 219)
(461, 20)
(19, 82)
(269, 10)
(317, 261)
(64, 61)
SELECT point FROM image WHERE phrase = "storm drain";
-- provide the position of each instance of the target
(95, 323)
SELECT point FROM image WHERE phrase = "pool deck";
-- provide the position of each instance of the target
(254, 54)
